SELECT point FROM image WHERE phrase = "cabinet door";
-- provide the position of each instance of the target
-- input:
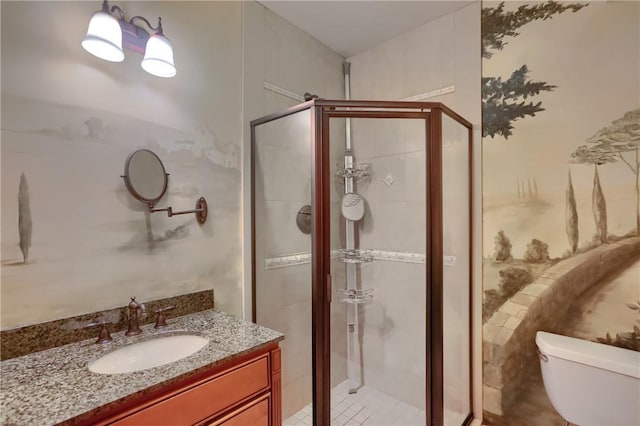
(255, 413)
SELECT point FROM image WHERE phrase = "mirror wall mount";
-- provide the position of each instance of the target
(201, 210)
(147, 180)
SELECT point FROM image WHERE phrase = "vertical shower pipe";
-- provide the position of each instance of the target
(350, 244)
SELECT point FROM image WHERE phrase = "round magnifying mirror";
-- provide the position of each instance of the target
(145, 176)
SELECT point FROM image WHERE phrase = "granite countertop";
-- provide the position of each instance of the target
(55, 385)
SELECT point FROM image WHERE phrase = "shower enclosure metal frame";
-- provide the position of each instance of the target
(321, 112)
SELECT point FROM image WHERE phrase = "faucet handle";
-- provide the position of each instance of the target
(161, 320)
(103, 335)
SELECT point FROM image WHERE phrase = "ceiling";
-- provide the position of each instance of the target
(351, 27)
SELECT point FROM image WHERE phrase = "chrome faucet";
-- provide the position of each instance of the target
(136, 311)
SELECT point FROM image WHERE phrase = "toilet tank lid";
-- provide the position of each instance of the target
(607, 357)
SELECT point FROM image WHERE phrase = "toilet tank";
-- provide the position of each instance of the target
(590, 383)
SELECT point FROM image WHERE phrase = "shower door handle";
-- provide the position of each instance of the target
(329, 288)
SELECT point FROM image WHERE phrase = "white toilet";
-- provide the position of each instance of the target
(590, 384)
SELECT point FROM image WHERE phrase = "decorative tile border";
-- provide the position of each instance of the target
(304, 258)
(431, 94)
(398, 256)
(284, 92)
(38, 337)
(284, 261)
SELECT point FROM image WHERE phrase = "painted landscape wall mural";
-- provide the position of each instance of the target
(561, 197)
(74, 241)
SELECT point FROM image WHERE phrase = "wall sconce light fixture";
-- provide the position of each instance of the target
(107, 36)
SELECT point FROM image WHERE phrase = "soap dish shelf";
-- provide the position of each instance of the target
(357, 170)
(357, 297)
(355, 256)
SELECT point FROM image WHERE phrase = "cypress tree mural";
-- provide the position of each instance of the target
(25, 225)
(571, 217)
(599, 206)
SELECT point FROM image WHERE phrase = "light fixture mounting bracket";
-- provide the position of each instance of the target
(134, 37)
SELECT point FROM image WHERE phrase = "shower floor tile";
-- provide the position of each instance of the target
(368, 407)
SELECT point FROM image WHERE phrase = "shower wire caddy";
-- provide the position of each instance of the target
(356, 297)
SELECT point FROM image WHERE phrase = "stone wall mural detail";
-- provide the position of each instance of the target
(561, 212)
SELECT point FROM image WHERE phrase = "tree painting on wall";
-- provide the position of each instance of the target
(619, 142)
(616, 143)
(561, 132)
(25, 225)
(505, 101)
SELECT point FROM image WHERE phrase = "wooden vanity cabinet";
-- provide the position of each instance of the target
(243, 392)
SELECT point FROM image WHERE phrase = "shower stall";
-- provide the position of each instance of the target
(361, 238)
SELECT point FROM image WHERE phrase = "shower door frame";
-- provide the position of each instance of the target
(321, 112)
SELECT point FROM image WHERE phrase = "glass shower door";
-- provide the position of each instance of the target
(378, 244)
(282, 251)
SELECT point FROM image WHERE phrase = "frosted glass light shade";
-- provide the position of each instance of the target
(104, 38)
(158, 57)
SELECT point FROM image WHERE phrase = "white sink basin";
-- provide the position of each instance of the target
(149, 353)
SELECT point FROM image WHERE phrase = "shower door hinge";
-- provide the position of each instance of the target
(329, 291)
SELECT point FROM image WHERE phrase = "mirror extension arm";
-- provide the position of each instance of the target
(201, 210)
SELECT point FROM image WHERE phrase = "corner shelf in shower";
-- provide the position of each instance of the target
(355, 256)
(357, 297)
(358, 170)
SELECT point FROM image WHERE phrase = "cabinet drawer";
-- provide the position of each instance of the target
(255, 413)
(205, 399)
